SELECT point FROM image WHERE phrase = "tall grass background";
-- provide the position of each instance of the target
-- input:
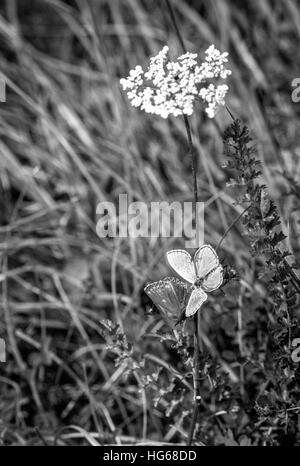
(69, 139)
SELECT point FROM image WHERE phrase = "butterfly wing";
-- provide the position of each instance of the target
(213, 280)
(182, 263)
(170, 296)
(197, 298)
(206, 260)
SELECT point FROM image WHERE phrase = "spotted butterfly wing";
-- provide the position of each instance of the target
(170, 296)
(182, 263)
(213, 279)
(206, 260)
(197, 298)
(208, 268)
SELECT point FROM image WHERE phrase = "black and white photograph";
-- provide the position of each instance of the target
(149, 226)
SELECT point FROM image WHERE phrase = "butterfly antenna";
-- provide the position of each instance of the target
(181, 318)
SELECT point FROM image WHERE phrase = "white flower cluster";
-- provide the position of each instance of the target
(171, 87)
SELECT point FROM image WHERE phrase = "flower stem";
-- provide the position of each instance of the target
(174, 21)
(193, 161)
(197, 395)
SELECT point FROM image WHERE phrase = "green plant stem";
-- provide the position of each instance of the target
(174, 21)
(193, 423)
(197, 395)
(232, 225)
(193, 163)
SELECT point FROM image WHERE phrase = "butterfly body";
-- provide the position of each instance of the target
(198, 282)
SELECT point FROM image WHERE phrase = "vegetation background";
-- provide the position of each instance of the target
(85, 363)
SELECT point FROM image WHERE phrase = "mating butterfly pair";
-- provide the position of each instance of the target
(175, 298)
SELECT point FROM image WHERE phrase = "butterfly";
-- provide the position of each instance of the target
(170, 296)
(204, 273)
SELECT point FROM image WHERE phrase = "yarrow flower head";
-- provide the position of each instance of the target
(171, 87)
